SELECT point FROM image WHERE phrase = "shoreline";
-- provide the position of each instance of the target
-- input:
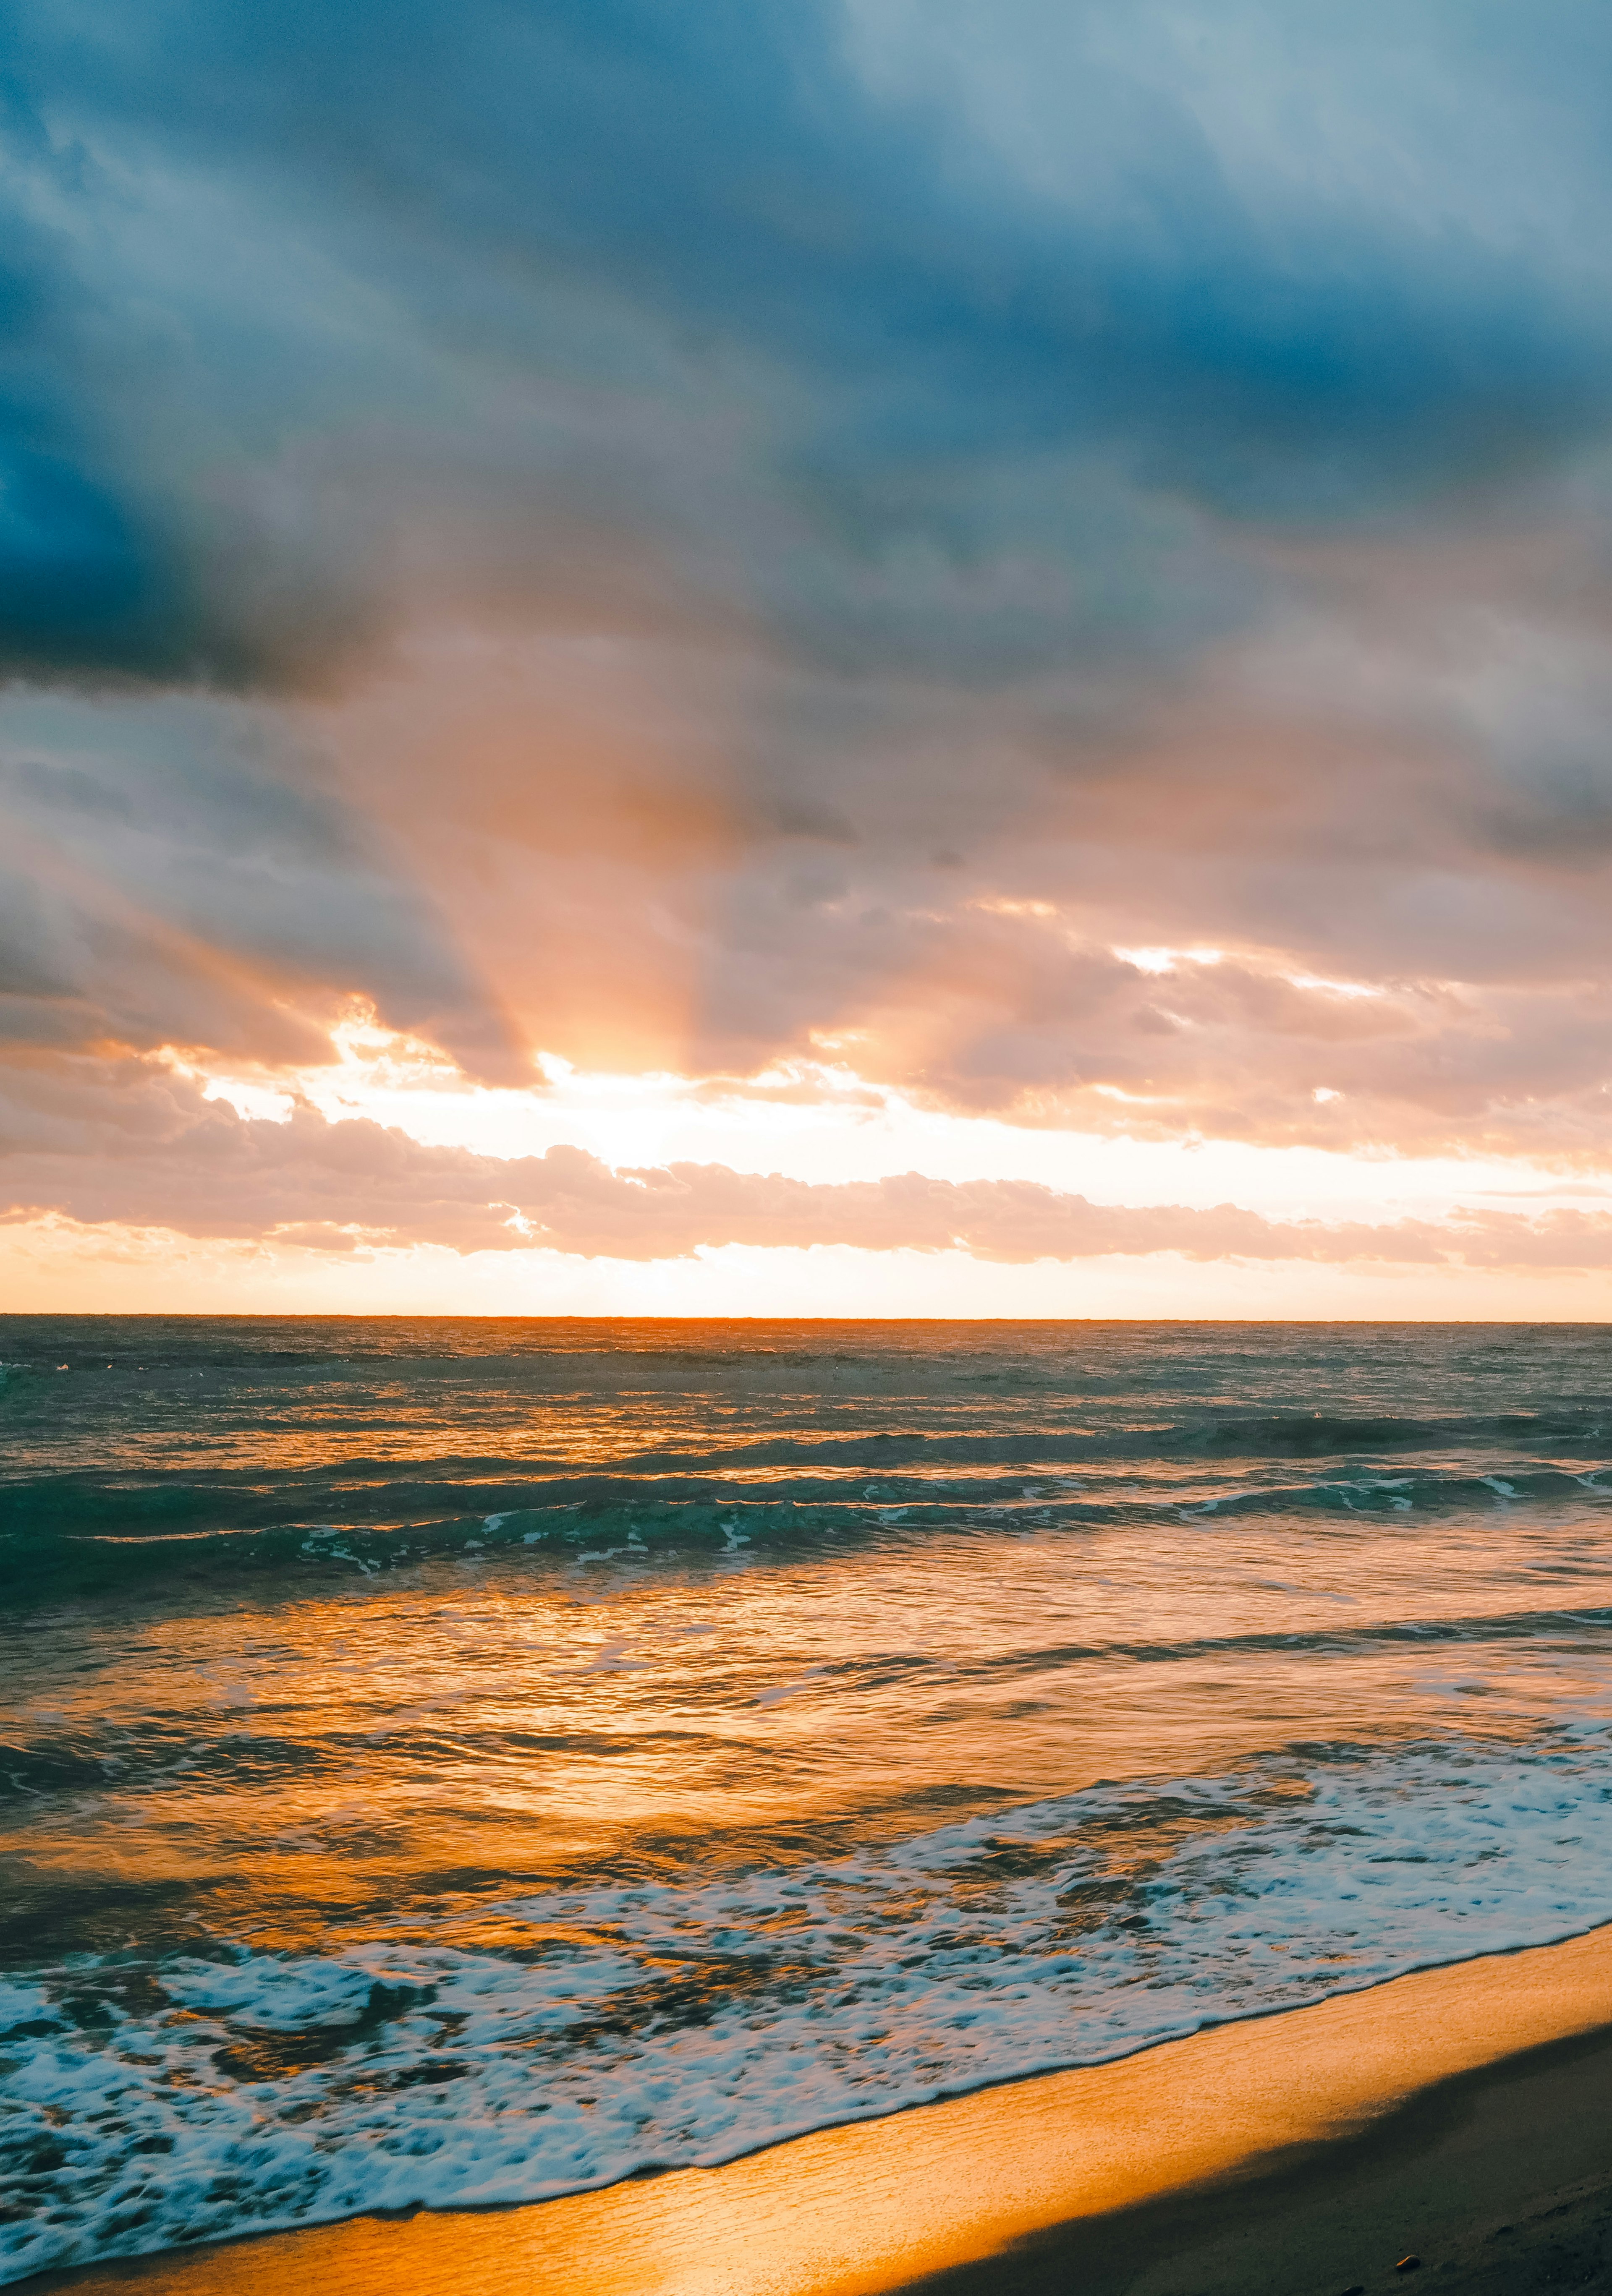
(1290, 2150)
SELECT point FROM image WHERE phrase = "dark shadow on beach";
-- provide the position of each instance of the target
(1496, 2181)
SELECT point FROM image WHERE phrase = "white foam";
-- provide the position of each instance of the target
(285, 1997)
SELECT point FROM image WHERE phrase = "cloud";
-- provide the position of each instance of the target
(688, 534)
(96, 1146)
(181, 873)
(289, 287)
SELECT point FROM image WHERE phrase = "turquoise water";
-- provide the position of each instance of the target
(457, 1761)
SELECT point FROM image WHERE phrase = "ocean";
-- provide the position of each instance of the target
(452, 1763)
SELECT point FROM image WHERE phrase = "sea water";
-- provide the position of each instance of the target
(459, 1762)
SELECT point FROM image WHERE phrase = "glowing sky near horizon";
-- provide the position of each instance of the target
(812, 658)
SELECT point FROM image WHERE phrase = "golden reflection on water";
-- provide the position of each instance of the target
(408, 1743)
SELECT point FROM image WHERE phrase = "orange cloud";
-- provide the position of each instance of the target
(98, 1146)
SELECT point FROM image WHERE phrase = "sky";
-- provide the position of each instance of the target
(822, 657)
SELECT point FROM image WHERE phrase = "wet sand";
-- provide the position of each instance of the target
(1460, 2115)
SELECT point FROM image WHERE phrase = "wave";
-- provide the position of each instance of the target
(46, 1564)
(68, 1537)
(611, 2027)
(1321, 1434)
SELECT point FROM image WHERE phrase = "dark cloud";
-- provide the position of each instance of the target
(953, 371)
(938, 505)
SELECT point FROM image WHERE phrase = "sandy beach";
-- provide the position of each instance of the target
(1461, 2116)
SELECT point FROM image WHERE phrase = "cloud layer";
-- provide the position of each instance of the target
(158, 1156)
(1064, 565)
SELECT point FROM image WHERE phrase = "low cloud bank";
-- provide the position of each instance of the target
(90, 1145)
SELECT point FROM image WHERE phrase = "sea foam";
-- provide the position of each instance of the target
(615, 2029)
